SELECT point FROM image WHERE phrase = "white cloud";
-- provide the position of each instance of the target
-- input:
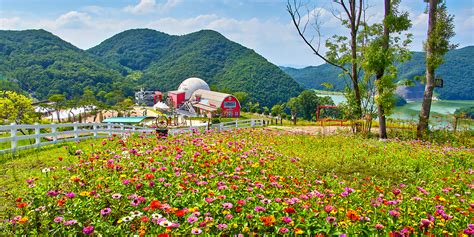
(9, 23)
(149, 6)
(72, 19)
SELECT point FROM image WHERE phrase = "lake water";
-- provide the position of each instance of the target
(411, 110)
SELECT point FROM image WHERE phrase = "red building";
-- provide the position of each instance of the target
(177, 97)
(208, 103)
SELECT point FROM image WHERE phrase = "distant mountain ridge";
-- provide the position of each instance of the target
(43, 64)
(457, 73)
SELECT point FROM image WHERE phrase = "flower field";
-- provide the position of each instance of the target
(248, 182)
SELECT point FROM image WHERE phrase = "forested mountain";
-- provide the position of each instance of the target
(42, 64)
(457, 73)
(167, 60)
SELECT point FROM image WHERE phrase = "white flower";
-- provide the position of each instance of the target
(45, 170)
(135, 213)
(155, 215)
(127, 218)
(166, 223)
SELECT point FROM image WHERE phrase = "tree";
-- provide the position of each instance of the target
(339, 55)
(380, 55)
(266, 110)
(279, 111)
(308, 103)
(440, 31)
(125, 106)
(58, 103)
(241, 97)
(294, 105)
(16, 108)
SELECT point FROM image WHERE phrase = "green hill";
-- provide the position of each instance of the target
(42, 64)
(167, 60)
(457, 73)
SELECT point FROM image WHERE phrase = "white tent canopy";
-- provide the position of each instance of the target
(160, 106)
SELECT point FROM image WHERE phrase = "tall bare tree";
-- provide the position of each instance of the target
(440, 31)
(349, 13)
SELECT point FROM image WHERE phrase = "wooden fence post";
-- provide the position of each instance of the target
(76, 134)
(13, 135)
(236, 123)
(37, 135)
(252, 123)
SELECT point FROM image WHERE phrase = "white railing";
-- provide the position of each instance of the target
(249, 123)
(45, 134)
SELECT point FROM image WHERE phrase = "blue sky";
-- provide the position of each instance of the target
(263, 25)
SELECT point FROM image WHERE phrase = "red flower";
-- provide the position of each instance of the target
(145, 219)
(149, 176)
(180, 213)
(155, 204)
(164, 235)
(238, 209)
(60, 158)
(289, 210)
(19, 199)
(22, 204)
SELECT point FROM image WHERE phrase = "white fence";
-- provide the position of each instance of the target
(46, 134)
(250, 123)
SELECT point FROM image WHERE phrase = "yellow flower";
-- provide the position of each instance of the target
(299, 231)
(225, 212)
(235, 226)
(440, 224)
(84, 193)
(343, 224)
(246, 229)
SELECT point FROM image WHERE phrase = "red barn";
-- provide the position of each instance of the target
(177, 97)
(208, 102)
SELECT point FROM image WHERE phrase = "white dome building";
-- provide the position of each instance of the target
(190, 85)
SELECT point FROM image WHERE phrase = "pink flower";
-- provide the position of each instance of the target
(286, 219)
(379, 226)
(227, 205)
(88, 230)
(259, 209)
(284, 230)
(58, 219)
(394, 213)
(328, 208)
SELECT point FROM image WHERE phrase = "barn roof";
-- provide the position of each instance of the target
(211, 96)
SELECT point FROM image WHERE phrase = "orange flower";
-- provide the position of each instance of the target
(268, 220)
(351, 214)
(155, 204)
(22, 204)
(23, 220)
